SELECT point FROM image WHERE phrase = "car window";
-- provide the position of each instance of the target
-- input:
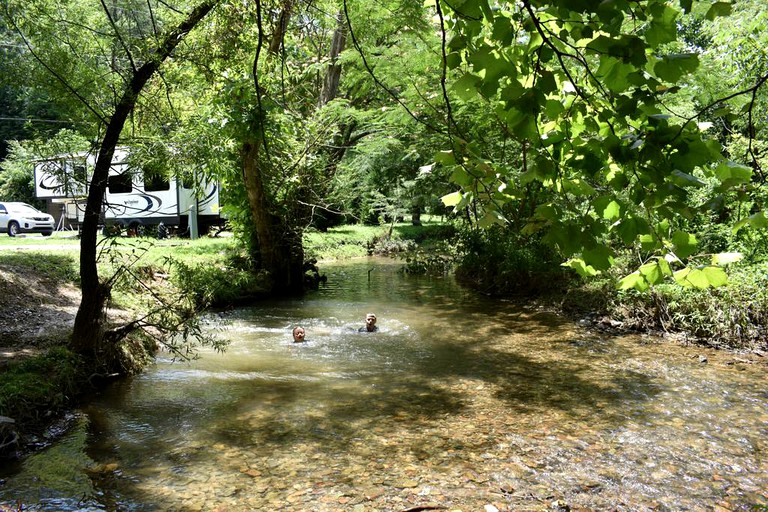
(2, 208)
(24, 208)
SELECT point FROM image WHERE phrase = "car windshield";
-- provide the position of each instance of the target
(23, 208)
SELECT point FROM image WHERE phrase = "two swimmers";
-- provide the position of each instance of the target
(370, 326)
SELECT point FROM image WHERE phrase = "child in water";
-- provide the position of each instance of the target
(370, 324)
(298, 334)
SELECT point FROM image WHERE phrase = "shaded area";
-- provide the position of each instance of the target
(458, 401)
(36, 311)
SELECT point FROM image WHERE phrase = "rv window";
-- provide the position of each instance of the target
(154, 182)
(79, 174)
(120, 184)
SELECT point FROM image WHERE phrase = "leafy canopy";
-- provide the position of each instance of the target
(587, 91)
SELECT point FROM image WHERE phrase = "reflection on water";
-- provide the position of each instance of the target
(458, 402)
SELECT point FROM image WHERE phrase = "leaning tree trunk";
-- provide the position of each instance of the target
(88, 332)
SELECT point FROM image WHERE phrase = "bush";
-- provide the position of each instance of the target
(212, 285)
(40, 386)
(500, 262)
(734, 315)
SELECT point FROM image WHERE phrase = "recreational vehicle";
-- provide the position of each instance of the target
(135, 198)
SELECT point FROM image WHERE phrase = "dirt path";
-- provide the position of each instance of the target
(35, 311)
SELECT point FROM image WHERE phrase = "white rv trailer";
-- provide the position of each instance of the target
(135, 198)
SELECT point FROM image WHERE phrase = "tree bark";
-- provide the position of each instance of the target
(278, 36)
(88, 332)
(280, 246)
(333, 73)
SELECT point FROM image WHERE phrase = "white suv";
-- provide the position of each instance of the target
(18, 218)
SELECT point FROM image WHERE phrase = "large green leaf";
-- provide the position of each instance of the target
(701, 278)
(599, 257)
(757, 220)
(491, 218)
(633, 280)
(718, 9)
(685, 244)
(466, 86)
(452, 199)
(733, 173)
(683, 179)
(581, 267)
(671, 68)
(663, 28)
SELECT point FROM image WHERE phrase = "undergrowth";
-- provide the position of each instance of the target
(28, 398)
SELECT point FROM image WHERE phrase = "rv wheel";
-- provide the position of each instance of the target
(137, 229)
(110, 231)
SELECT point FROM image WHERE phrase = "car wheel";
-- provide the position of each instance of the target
(13, 228)
(47, 233)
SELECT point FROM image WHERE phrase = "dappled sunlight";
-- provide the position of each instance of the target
(458, 401)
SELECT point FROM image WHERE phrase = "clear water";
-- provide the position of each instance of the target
(458, 401)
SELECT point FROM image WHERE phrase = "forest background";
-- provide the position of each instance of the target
(606, 154)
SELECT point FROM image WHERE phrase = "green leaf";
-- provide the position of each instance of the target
(733, 173)
(452, 199)
(716, 276)
(718, 9)
(578, 187)
(614, 73)
(686, 5)
(648, 243)
(445, 158)
(633, 280)
(682, 179)
(461, 177)
(724, 258)
(685, 244)
(490, 218)
(652, 272)
(466, 86)
(612, 211)
(672, 67)
(599, 257)
(581, 267)
(757, 220)
(662, 28)
(630, 227)
(691, 278)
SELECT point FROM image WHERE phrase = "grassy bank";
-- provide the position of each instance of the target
(39, 283)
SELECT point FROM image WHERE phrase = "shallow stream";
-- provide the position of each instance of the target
(459, 401)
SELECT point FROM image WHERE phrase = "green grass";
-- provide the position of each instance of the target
(59, 266)
(29, 240)
(43, 383)
(357, 240)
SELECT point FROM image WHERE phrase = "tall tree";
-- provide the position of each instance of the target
(137, 51)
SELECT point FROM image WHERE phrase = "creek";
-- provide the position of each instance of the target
(459, 402)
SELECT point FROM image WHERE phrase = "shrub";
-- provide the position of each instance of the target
(501, 262)
(734, 315)
(40, 385)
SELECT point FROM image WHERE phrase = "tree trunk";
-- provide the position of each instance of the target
(280, 28)
(333, 73)
(279, 244)
(89, 328)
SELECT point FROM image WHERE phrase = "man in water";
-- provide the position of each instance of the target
(370, 324)
(298, 334)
